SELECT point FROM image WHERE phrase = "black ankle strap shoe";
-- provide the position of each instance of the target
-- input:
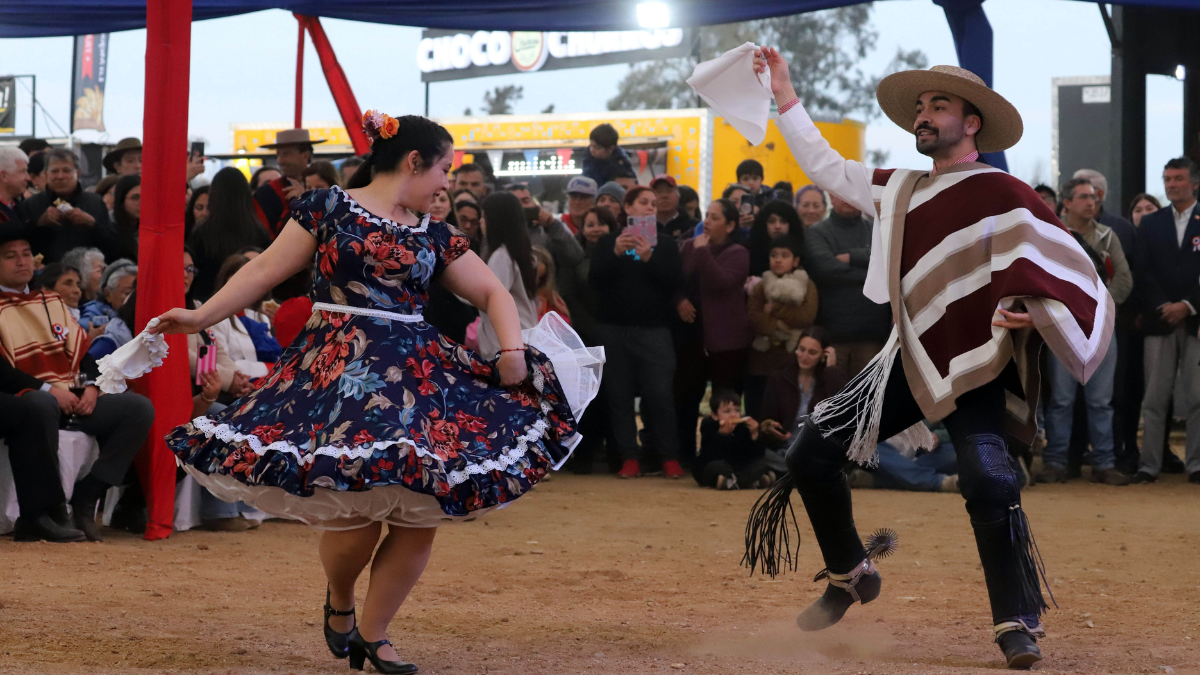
(338, 643)
(361, 650)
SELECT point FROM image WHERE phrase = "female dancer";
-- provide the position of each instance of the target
(371, 416)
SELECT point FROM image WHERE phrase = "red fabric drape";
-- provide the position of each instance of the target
(339, 86)
(160, 244)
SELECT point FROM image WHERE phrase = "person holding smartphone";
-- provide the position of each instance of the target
(293, 152)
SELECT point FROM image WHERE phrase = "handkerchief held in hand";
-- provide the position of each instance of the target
(132, 360)
(729, 84)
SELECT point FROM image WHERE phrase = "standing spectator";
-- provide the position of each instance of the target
(548, 299)
(689, 202)
(811, 205)
(730, 456)
(783, 191)
(839, 249)
(1142, 205)
(598, 223)
(1048, 195)
(37, 174)
(441, 209)
(581, 197)
(780, 307)
(65, 214)
(636, 285)
(1080, 202)
(776, 219)
(510, 257)
(348, 167)
(750, 175)
(553, 235)
(34, 146)
(606, 161)
(320, 175)
(46, 350)
(90, 263)
(796, 388)
(715, 269)
(125, 159)
(116, 283)
(197, 211)
(14, 178)
(127, 214)
(231, 225)
(263, 175)
(1168, 279)
(466, 215)
(105, 187)
(293, 152)
(666, 194)
(471, 177)
(611, 196)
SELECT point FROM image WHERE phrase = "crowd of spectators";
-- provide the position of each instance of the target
(722, 328)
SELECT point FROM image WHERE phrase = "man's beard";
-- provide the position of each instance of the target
(941, 139)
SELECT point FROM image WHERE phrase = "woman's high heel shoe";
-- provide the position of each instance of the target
(361, 650)
(339, 643)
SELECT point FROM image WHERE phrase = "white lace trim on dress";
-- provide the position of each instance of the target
(355, 208)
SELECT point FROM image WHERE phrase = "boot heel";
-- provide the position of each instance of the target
(358, 656)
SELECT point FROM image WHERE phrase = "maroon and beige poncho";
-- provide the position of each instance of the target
(38, 335)
(948, 251)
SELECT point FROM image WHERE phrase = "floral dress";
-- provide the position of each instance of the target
(380, 417)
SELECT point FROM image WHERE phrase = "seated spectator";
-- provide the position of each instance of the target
(320, 175)
(775, 219)
(127, 215)
(780, 308)
(197, 211)
(246, 337)
(1142, 205)
(610, 196)
(90, 263)
(750, 175)
(689, 202)
(440, 208)
(265, 174)
(670, 218)
(810, 203)
(548, 299)
(581, 197)
(232, 224)
(605, 160)
(348, 167)
(66, 215)
(116, 283)
(64, 281)
(52, 351)
(117, 331)
(510, 257)
(636, 285)
(794, 390)
(923, 471)
(730, 456)
(783, 191)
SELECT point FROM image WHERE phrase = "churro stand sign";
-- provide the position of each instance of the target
(87, 84)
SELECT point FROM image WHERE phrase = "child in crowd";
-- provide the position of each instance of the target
(605, 160)
(780, 307)
(750, 175)
(730, 456)
(548, 299)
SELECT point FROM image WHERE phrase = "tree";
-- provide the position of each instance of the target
(500, 100)
(823, 50)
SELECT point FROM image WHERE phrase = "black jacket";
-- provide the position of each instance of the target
(738, 448)
(845, 312)
(635, 293)
(1165, 271)
(52, 241)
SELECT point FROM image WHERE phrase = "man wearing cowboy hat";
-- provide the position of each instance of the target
(978, 273)
(125, 159)
(293, 152)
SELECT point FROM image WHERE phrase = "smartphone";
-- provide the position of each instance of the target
(747, 205)
(532, 214)
(206, 362)
(197, 149)
(646, 226)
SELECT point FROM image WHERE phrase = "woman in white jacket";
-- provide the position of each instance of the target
(232, 335)
(510, 257)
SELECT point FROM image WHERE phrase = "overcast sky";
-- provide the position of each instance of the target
(243, 71)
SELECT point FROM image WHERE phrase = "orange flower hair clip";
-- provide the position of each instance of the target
(379, 125)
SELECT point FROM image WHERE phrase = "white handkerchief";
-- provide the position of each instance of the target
(728, 84)
(131, 360)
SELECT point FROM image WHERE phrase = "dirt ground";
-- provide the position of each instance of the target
(592, 574)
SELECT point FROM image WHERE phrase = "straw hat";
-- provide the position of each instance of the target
(114, 155)
(898, 94)
(292, 137)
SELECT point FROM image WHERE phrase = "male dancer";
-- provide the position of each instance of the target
(978, 273)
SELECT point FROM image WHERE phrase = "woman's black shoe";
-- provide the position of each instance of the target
(1020, 649)
(361, 650)
(339, 643)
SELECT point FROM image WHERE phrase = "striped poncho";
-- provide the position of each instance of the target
(39, 336)
(948, 252)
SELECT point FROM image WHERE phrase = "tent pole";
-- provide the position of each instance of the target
(300, 71)
(339, 86)
(160, 245)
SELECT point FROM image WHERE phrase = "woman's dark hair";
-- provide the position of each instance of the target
(822, 337)
(759, 242)
(232, 223)
(604, 216)
(722, 396)
(729, 210)
(687, 194)
(733, 187)
(126, 224)
(1142, 197)
(325, 171)
(229, 268)
(505, 218)
(189, 218)
(254, 178)
(428, 138)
